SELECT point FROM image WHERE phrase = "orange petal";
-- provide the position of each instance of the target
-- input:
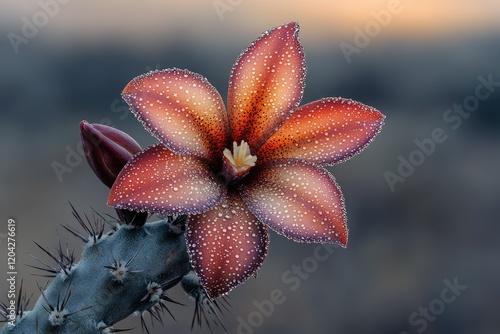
(266, 84)
(327, 131)
(226, 245)
(158, 180)
(182, 109)
(299, 200)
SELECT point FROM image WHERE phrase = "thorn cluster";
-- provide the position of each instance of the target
(64, 259)
(58, 313)
(205, 308)
(119, 270)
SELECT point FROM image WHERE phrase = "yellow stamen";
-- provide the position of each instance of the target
(241, 160)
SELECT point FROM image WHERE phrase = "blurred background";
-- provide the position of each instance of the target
(412, 60)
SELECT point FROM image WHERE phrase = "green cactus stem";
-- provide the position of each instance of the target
(126, 270)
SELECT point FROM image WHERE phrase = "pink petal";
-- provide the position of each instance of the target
(327, 131)
(182, 109)
(299, 200)
(266, 84)
(158, 180)
(226, 245)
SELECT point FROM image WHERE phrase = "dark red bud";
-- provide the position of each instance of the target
(107, 150)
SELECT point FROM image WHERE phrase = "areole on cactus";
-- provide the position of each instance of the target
(219, 177)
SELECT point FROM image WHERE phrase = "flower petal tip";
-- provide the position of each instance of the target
(343, 242)
(292, 26)
(129, 88)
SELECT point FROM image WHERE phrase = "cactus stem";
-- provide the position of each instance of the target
(87, 285)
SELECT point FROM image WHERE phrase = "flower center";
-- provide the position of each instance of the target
(238, 163)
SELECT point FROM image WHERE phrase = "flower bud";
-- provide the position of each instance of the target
(107, 150)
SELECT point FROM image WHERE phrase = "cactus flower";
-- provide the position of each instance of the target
(258, 165)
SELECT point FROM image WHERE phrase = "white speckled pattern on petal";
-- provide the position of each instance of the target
(226, 245)
(326, 131)
(266, 84)
(183, 110)
(158, 180)
(299, 200)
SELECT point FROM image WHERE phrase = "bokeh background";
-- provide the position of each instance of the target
(440, 224)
